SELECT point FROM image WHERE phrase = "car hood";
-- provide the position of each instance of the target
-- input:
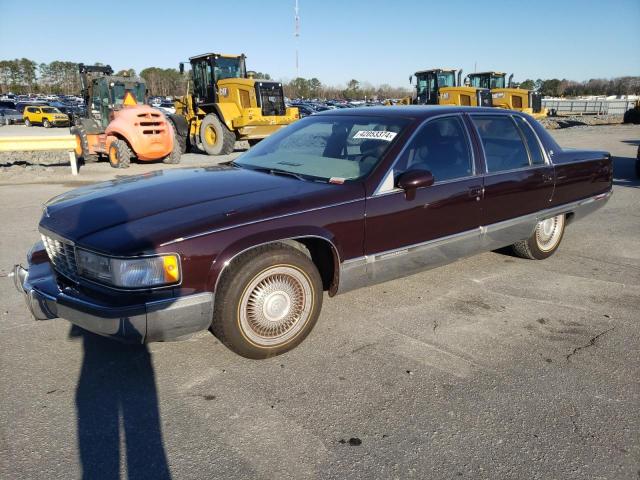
(137, 214)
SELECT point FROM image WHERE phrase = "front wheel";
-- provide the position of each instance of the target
(268, 302)
(46, 123)
(216, 138)
(544, 241)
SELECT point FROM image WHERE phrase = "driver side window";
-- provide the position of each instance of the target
(441, 146)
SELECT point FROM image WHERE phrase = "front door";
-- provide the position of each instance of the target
(37, 115)
(405, 234)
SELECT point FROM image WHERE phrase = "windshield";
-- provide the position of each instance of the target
(228, 68)
(138, 90)
(446, 79)
(50, 110)
(487, 81)
(329, 148)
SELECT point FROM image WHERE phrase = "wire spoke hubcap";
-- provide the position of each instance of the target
(548, 232)
(276, 305)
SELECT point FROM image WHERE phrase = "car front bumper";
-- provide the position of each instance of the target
(165, 319)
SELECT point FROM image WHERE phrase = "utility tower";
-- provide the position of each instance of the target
(296, 34)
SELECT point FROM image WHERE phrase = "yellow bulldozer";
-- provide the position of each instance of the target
(441, 86)
(223, 104)
(507, 94)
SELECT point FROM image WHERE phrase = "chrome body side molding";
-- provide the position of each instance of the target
(391, 264)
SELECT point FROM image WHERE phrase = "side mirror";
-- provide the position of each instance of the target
(181, 66)
(412, 180)
(410, 79)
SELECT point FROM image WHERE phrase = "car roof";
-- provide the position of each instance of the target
(414, 111)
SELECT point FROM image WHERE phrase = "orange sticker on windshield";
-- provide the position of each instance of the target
(337, 180)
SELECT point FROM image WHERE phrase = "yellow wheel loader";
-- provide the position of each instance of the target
(438, 86)
(507, 95)
(225, 105)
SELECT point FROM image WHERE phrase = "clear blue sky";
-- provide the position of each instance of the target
(381, 41)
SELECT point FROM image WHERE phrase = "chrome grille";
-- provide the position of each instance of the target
(62, 255)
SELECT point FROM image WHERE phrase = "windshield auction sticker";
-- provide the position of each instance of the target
(375, 135)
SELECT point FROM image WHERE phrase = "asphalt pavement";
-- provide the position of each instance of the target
(493, 367)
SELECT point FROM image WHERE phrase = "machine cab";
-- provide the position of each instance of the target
(429, 83)
(208, 69)
(113, 93)
(490, 80)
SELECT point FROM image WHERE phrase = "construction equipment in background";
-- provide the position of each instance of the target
(441, 86)
(507, 94)
(225, 105)
(118, 124)
(633, 116)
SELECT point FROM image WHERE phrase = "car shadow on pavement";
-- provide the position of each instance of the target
(117, 409)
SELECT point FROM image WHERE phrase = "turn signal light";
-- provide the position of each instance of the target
(171, 270)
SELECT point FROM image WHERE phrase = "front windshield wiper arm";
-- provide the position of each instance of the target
(277, 171)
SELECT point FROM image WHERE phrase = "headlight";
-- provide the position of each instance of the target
(139, 272)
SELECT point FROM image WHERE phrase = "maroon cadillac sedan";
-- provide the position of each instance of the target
(334, 202)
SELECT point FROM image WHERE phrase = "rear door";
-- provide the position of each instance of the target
(518, 178)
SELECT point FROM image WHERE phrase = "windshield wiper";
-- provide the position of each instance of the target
(277, 171)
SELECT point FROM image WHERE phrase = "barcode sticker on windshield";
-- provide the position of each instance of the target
(375, 135)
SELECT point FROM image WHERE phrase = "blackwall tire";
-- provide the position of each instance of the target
(119, 154)
(544, 241)
(268, 301)
(82, 145)
(176, 153)
(215, 137)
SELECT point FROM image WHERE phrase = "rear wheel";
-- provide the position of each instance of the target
(27, 122)
(216, 138)
(268, 302)
(544, 241)
(176, 153)
(82, 145)
(119, 154)
(46, 123)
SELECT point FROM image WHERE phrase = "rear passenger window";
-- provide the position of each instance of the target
(503, 146)
(532, 141)
(441, 147)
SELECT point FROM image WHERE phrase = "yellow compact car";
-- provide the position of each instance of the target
(45, 116)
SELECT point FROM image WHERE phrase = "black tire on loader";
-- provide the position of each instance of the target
(216, 138)
(119, 154)
(82, 145)
(179, 147)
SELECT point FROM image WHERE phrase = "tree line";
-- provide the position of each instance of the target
(23, 75)
(595, 86)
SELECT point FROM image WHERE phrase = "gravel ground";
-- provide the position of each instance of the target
(552, 123)
(493, 367)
